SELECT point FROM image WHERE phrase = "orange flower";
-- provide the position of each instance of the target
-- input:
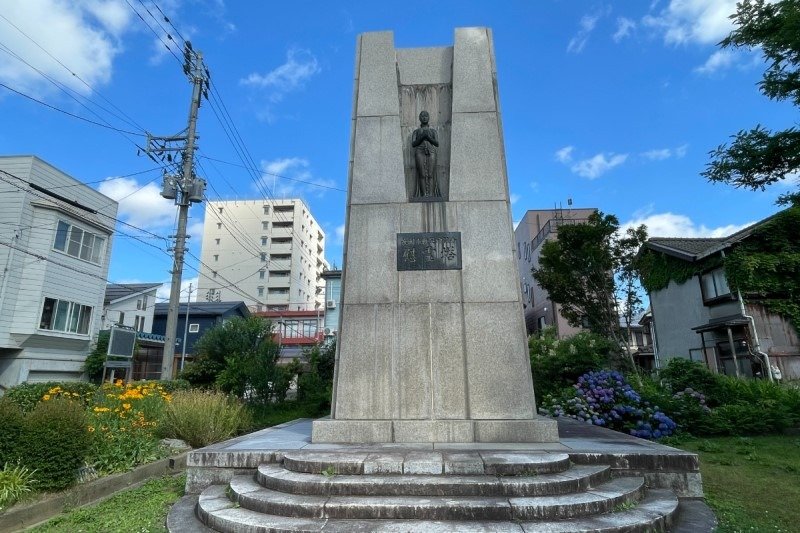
(46, 397)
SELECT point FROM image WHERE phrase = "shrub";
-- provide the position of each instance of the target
(93, 366)
(606, 399)
(202, 418)
(28, 395)
(55, 442)
(13, 423)
(557, 364)
(15, 480)
(315, 384)
(681, 374)
(123, 423)
(748, 419)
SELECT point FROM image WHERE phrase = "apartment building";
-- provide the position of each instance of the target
(55, 247)
(268, 253)
(537, 227)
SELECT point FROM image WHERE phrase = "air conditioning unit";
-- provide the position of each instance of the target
(331, 304)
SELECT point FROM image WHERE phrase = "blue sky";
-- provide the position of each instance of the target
(614, 105)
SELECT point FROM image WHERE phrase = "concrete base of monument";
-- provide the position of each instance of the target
(538, 429)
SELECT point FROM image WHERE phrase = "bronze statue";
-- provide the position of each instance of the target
(424, 143)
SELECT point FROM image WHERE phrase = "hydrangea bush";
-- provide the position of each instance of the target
(604, 398)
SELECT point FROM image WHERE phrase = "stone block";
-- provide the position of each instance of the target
(498, 370)
(425, 66)
(378, 175)
(383, 463)
(477, 158)
(538, 429)
(410, 391)
(352, 431)
(377, 75)
(448, 363)
(423, 463)
(473, 79)
(490, 273)
(433, 431)
(466, 464)
(371, 271)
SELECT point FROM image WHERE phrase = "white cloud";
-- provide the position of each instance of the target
(564, 155)
(657, 154)
(719, 60)
(299, 67)
(195, 232)
(624, 28)
(162, 294)
(339, 235)
(674, 225)
(84, 35)
(514, 198)
(680, 151)
(693, 21)
(587, 25)
(291, 177)
(139, 205)
(596, 166)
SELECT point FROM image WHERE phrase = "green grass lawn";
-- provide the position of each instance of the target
(752, 483)
(140, 510)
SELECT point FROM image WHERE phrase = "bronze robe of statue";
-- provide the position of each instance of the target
(424, 142)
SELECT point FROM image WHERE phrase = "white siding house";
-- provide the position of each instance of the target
(130, 305)
(55, 246)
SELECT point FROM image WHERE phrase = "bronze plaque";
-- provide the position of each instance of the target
(429, 251)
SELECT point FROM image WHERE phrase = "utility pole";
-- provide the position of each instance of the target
(186, 327)
(184, 189)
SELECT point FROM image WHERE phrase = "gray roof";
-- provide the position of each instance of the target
(115, 291)
(203, 308)
(699, 248)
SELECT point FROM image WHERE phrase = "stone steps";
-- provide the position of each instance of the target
(654, 513)
(409, 490)
(577, 478)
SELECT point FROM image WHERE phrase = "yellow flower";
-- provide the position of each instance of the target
(101, 409)
(91, 429)
(126, 406)
(46, 397)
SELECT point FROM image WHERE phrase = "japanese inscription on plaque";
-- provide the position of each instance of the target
(429, 251)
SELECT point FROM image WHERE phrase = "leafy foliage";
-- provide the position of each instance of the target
(606, 399)
(315, 384)
(11, 428)
(240, 357)
(766, 266)
(15, 481)
(28, 395)
(557, 364)
(588, 269)
(759, 157)
(55, 442)
(202, 417)
(93, 366)
(656, 269)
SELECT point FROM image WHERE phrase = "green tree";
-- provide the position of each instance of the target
(240, 357)
(590, 271)
(759, 157)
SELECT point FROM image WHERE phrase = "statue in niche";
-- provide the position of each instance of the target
(425, 143)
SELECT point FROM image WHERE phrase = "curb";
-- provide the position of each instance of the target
(22, 517)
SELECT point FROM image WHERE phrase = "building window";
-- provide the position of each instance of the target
(259, 308)
(138, 323)
(121, 320)
(194, 328)
(266, 210)
(261, 274)
(261, 291)
(214, 273)
(79, 243)
(265, 225)
(61, 315)
(714, 285)
(263, 257)
(217, 240)
(263, 241)
(219, 225)
(220, 210)
(541, 323)
(216, 257)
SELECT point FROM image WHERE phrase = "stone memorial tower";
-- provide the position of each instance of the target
(432, 343)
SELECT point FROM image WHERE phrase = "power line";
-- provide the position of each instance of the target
(261, 171)
(73, 115)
